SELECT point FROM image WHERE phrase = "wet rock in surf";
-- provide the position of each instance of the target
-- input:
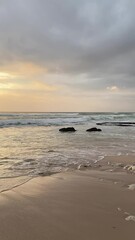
(68, 129)
(120, 124)
(94, 129)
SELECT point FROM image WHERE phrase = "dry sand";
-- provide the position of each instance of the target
(95, 204)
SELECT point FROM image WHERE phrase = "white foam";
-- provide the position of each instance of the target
(130, 167)
(131, 186)
(119, 209)
(130, 218)
(79, 167)
(126, 213)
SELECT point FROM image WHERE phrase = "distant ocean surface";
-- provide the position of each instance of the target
(31, 144)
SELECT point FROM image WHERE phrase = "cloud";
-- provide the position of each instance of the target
(113, 88)
(80, 45)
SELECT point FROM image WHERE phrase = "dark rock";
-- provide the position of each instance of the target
(120, 124)
(94, 129)
(68, 129)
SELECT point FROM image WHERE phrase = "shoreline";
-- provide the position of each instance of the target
(96, 203)
(118, 162)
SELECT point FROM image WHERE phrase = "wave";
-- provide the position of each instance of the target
(41, 122)
(60, 119)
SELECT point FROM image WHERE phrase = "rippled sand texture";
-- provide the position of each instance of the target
(92, 204)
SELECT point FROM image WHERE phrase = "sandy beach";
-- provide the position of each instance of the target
(97, 203)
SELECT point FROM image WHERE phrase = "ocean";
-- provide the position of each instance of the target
(31, 144)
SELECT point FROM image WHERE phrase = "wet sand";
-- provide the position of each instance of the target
(96, 203)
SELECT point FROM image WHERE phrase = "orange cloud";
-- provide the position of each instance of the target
(22, 69)
(24, 76)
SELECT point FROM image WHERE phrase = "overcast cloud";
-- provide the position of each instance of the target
(89, 44)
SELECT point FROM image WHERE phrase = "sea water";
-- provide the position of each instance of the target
(31, 144)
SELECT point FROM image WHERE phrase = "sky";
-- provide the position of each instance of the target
(67, 55)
